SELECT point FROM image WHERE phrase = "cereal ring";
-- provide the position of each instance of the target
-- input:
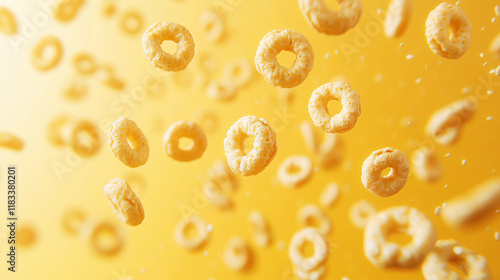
(311, 215)
(125, 203)
(343, 121)
(207, 119)
(436, 264)
(236, 253)
(260, 228)
(320, 249)
(398, 17)
(220, 175)
(122, 132)
(164, 31)
(54, 130)
(84, 63)
(26, 236)
(100, 238)
(426, 165)
(11, 141)
(73, 220)
(445, 19)
(379, 160)
(38, 58)
(67, 9)
(76, 88)
(82, 136)
(238, 71)
(131, 22)
(215, 195)
(184, 129)
(212, 25)
(191, 243)
(8, 23)
(264, 149)
(315, 274)
(444, 125)
(329, 195)
(361, 212)
(223, 89)
(109, 79)
(267, 63)
(403, 219)
(295, 171)
(325, 20)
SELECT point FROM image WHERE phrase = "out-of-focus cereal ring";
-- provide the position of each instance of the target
(445, 124)
(131, 22)
(215, 195)
(379, 160)
(314, 274)
(84, 63)
(125, 203)
(311, 215)
(223, 89)
(295, 171)
(220, 174)
(207, 119)
(312, 235)
(436, 264)
(26, 236)
(236, 253)
(325, 20)
(191, 243)
(445, 19)
(238, 71)
(341, 122)
(106, 238)
(398, 17)
(157, 33)
(212, 25)
(264, 149)
(328, 152)
(8, 23)
(184, 129)
(361, 212)
(383, 253)
(73, 219)
(75, 89)
(109, 78)
(267, 63)
(54, 130)
(260, 228)
(329, 195)
(11, 141)
(82, 136)
(67, 9)
(122, 132)
(38, 58)
(426, 165)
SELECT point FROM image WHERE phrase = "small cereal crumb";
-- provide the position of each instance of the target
(464, 161)
(445, 186)
(412, 200)
(490, 92)
(488, 228)
(493, 19)
(210, 227)
(281, 245)
(481, 55)
(378, 77)
(458, 250)
(409, 56)
(497, 235)
(327, 55)
(497, 71)
(489, 118)
(498, 211)
(402, 44)
(497, 10)
(444, 204)
(418, 81)
(143, 270)
(437, 211)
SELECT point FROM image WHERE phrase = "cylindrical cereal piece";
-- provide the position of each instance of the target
(260, 228)
(125, 203)
(295, 171)
(398, 17)
(38, 59)
(11, 141)
(122, 132)
(426, 165)
(8, 23)
(361, 212)
(311, 215)
(320, 254)
(191, 243)
(236, 253)
(184, 129)
(329, 195)
(325, 20)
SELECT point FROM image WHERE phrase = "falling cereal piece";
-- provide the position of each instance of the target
(497, 235)
(437, 211)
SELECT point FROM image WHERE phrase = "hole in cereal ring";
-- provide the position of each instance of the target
(399, 237)
(334, 107)
(185, 143)
(248, 144)
(169, 46)
(307, 249)
(190, 231)
(286, 59)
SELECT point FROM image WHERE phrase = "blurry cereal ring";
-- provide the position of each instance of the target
(84, 63)
(8, 23)
(384, 253)
(38, 58)
(125, 203)
(320, 249)
(436, 265)
(207, 119)
(184, 129)
(122, 132)
(82, 136)
(212, 25)
(238, 71)
(108, 77)
(426, 165)
(54, 130)
(11, 141)
(314, 274)
(236, 253)
(310, 139)
(73, 219)
(264, 149)
(223, 89)
(131, 22)
(163, 31)
(495, 46)
(361, 212)
(26, 236)
(310, 215)
(100, 238)
(215, 195)
(191, 243)
(295, 171)
(260, 228)
(329, 151)
(325, 20)
(398, 17)
(442, 21)
(341, 122)
(220, 175)
(379, 160)
(267, 63)
(67, 9)
(75, 89)
(329, 195)
(207, 62)
(108, 7)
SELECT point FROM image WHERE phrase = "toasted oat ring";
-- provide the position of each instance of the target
(267, 63)
(220, 175)
(131, 22)
(343, 121)
(238, 71)
(311, 214)
(398, 17)
(361, 212)
(185, 241)
(73, 220)
(215, 195)
(125, 203)
(435, 265)
(379, 160)
(320, 249)
(384, 253)
(11, 141)
(67, 9)
(264, 149)
(260, 228)
(104, 228)
(73, 133)
(123, 131)
(236, 254)
(448, 18)
(37, 56)
(288, 174)
(325, 20)
(223, 89)
(84, 63)
(180, 130)
(8, 23)
(426, 165)
(157, 33)
(212, 25)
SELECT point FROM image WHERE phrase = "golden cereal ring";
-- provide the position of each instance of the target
(38, 59)
(131, 22)
(223, 89)
(73, 220)
(184, 129)
(220, 175)
(329, 195)
(442, 20)
(343, 121)
(495, 46)
(445, 124)
(121, 132)
(236, 253)
(100, 238)
(212, 25)
(328, 151)
(215, 195)
(264, 149)
(84, 63)
(310, 215)
(295, 171)
(163, 31)
(8, 23)
(207, 119)
(436, 264)
(54, 130)
(75, 89)
(11, 141)
(403, 219)
(125, 203)
(320, 249)
(398, 17)
(325, 20)
(260, 228)
(181, 230)
(361, 212)
(238, 71)
(267, 63)
(109, 79)
(67, 9)
(426, 165)
(379, 160)
(82, 136)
